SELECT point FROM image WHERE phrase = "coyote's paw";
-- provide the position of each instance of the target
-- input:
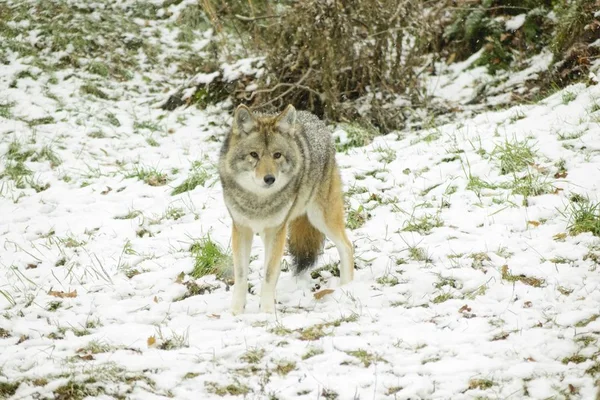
(267, 307)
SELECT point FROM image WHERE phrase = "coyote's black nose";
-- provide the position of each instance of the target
(269, 179)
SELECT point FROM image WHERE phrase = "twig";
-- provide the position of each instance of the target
(251, 19)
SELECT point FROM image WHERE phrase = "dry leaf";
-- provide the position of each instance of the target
(22, 339)
(464, 308)
(560, 175)
(180, 278)
(155, 299)
(560, 236)
(62, 294)
(151, 341)
(527, 304)
(87, 357)
(106, 191)
(31, 266)
(534, 223)
(322, 293)
(214, 316)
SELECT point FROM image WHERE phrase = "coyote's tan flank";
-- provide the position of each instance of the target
(280, 177)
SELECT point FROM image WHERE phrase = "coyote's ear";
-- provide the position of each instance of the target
(286, 120)
(243, 120)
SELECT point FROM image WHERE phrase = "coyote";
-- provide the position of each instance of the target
(279, 176)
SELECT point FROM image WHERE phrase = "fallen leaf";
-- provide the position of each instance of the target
(530, 359)
(31, 266)
(320, 294)
(558, 190)
(62, 294)
(560, 175)
(527, 304)
(151, 341)
(214, 316)
(534, 223)
(559, 236)
(501, 336)
(180, 277)
(573, 389)
(22, 339)
(155, 299)
(87, 357)
(107, 190)
(464, 308)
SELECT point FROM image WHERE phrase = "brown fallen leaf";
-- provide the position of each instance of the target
(560, 175)
(31, 266)
(87, 357)
(527, 304)
(62, 295)
(560, 236)
(322, 293)
(534, 223)
(155, 299)
(214, 316)
(464, 308)
(22, 339)
(107, 190)
(151, 341)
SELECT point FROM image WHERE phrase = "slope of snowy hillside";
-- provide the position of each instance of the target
(478, 269)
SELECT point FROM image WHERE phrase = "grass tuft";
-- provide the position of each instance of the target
(198, 177)
(209, 258)
(584, 216)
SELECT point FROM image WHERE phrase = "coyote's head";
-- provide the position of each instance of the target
(262, 152)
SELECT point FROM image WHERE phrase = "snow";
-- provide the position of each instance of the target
(515, 22)
(421, 346)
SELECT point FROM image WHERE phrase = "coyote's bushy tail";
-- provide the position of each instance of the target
(305, 243)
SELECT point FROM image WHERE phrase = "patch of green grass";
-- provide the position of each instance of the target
(423, 225)
(209, 258)
(152, 142)
(442, 298)
(529, 185)
(356, 218)
(99, 68)
(357, 136)
(174, 213)
(47, 153)
(365, 357)
(513, 156)
(93, 90)
(419, 254)
(7, 389)
(197, 177)
(232, 389)
(150, 176)
(130, 215)
(481, 384)
(6, 110)
(149, 125)
(575, 359)
(285, 367)
(253, 356)
(97, 135)
(527, 280)
(77, 390)
(387, 280)
(585, 322)
(585, 340)
(571, 135)
(312, 352)
(584, 216)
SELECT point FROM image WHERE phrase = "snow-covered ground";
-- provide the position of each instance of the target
(469, 283)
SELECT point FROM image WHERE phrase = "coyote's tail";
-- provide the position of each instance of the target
(305, 242)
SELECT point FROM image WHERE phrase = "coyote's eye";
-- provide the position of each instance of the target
(277, 155)
(254, 154)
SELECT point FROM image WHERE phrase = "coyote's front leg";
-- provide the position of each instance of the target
(274, 240)
(241, 242)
